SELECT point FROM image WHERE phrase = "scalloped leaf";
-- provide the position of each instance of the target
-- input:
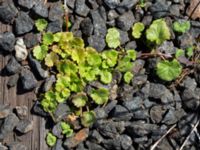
(51, 139)
(66, 129)
(110, 56)
(137, 30)
(113, 38)
(41, 24)
(99, 96)
(51, 59)
(40, 52)
(128, 77)
(88, 118)
(106, 76)
(181, 26)
(48, 38)
(80, 99)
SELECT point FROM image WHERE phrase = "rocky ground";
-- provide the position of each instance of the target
(140, 113)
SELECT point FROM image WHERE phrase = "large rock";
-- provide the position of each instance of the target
(31, 39)
(87, 27)
(13, 66)
(23, 23)
(56, 11)
(27, 3)
(7, 41)
(8, 11)
(81, 8)
(41, 9)
(24, 126)
(112, 3)
(55, 26)
(94, 42)
(4, 111)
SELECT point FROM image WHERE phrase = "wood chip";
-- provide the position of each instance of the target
(193, 10)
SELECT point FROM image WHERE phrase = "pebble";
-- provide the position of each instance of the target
(24, 126)
(94, 146)
(81, 8)
(62, 111)
(4, 111)
(131, 45)
(185, 40)
(55, 26)
(56, 11)
(112, 3)
(48, 83)
(57, 130)
(38, 110)
(167, 48)
(112, 14)
(17, 146)
(125, 141)
(94, 42)
(58, 145)
(7, 41)
(22, 111)
(8, 11)
(95, 137)
(120, 113)
(23, 23)
(134, 104)
(124, 38)
(100, 113)
(126, 5)
(31, 39)
(41, 9)
(13, 66)
(27, 3)
(110, 106)
(87, 26)
(28, 80)
(156, 113)
(21, 52)
(13, 80)
(189, 83)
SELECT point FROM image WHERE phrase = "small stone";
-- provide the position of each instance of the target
(21, 52)
(142, 114)
(99, 24)
(112, 3)
(125, 141)
(167, 48)
(4, 111)
(121, 113)
(175, 10)
(62, 111)
(71, 3)
(126, 5)
(147, 20)
(126, 92)
(55, 26)
(13, 66)
(38, 110)
(100, 113)
(94, 146)
(23, 23)
(37, 68)
(7, 41)
(95, 137)
(48, 83)
(81, 146)
(79, 137)
(8, 11)
(22, 111)
(189, 83)
(56, 11)
(134, 104)
(94, 42)
(139, 79)
(140, 140)
(123, 37)
(81, 8)
(2, 147)
(131, 45)
(87, 27)
(17, 146)
(57, 130)
(41, 9)
(186, 40)
(156, 113)
(9, 124)
(93, 4)
(112, 14)
(12, 81)
(24, 126)
(125, 21)
(27, 3)
(31, 39)
(28, 80)
(197, 73)
(58, 145)
(112, 144)
(110, 106)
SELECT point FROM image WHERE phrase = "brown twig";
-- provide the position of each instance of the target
(187, 138)
(160, 139)
(66, 14)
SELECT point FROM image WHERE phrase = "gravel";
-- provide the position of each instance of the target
(7, 42)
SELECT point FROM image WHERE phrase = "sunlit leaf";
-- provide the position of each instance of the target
(137, 30)
(113, 38)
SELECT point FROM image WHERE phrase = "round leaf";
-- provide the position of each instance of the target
(41, 24)
(113, 38)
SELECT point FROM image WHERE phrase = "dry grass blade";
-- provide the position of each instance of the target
(187, 138)
(159, 140)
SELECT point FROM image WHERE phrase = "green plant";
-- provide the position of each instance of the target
(127, 77)
(179, 53)
(158, 32)
(88, 118)
(66, 129)
(41, 24)
(99, 96)
(51, 139)
(113, 38)
(137, 30)
(168, 70)
(80, 99)
(181, 26)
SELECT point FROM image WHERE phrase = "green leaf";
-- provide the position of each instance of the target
(105, 76)
(128, 77)
(99, 96)
(93, 58)
(125, 64)
(51, 139)
(41, 24)
(158, 32)
(181, 26)
(168, 70)
(78, 55)
(190, 51)
(110, 57)
(88, 118)
(51, 59)
(40, 52)
(66, 129)
(57, 36)
(76, 42)
(179, 53)
(132, 54)
(80, 99)
(137, 30)
(113, 38)
(67, 67)
(48, 38)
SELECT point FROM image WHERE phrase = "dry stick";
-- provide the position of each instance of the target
(66, 14)
(159, 140)
(187, 138)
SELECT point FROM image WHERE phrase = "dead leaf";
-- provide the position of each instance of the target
(194, 9)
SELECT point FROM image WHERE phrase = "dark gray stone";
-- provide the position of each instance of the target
(126, 5)
(4, 111)
(8, 11)
(95, 137)
(147, 20)
(56, 11)
(120, 113)
(186, 40)
(175, 10)
(123, 37)
(197, 73)
(81, 8)
(93, 3)
(139, 79)
(167, 48)
(58, 145)
(38, 110)
(81, 147)
(93, 146)
(48, 83)
(55, 26)
(57, 130)
(126, 92)
(7, 41)
(189, 83)
(142, 114)
(13, 66)
(125, 141)
(125, 21)
(156, 113)
(37, 68)
(87, 27)
(134, 104)
(110, 106)
(31, 39)
(23, 23)
(112, 144)
(21, 111)
(102, 12)
(17, 146)
(28, 80)
(98, 23)
(100, 113)
(112, 3)
(131, 45)
(9, 124)
(94, 42)
(24, 126)
(112, 14)
(62, 111)
(41, 9)
(71, 3)
(27, 3)
(12, 81)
